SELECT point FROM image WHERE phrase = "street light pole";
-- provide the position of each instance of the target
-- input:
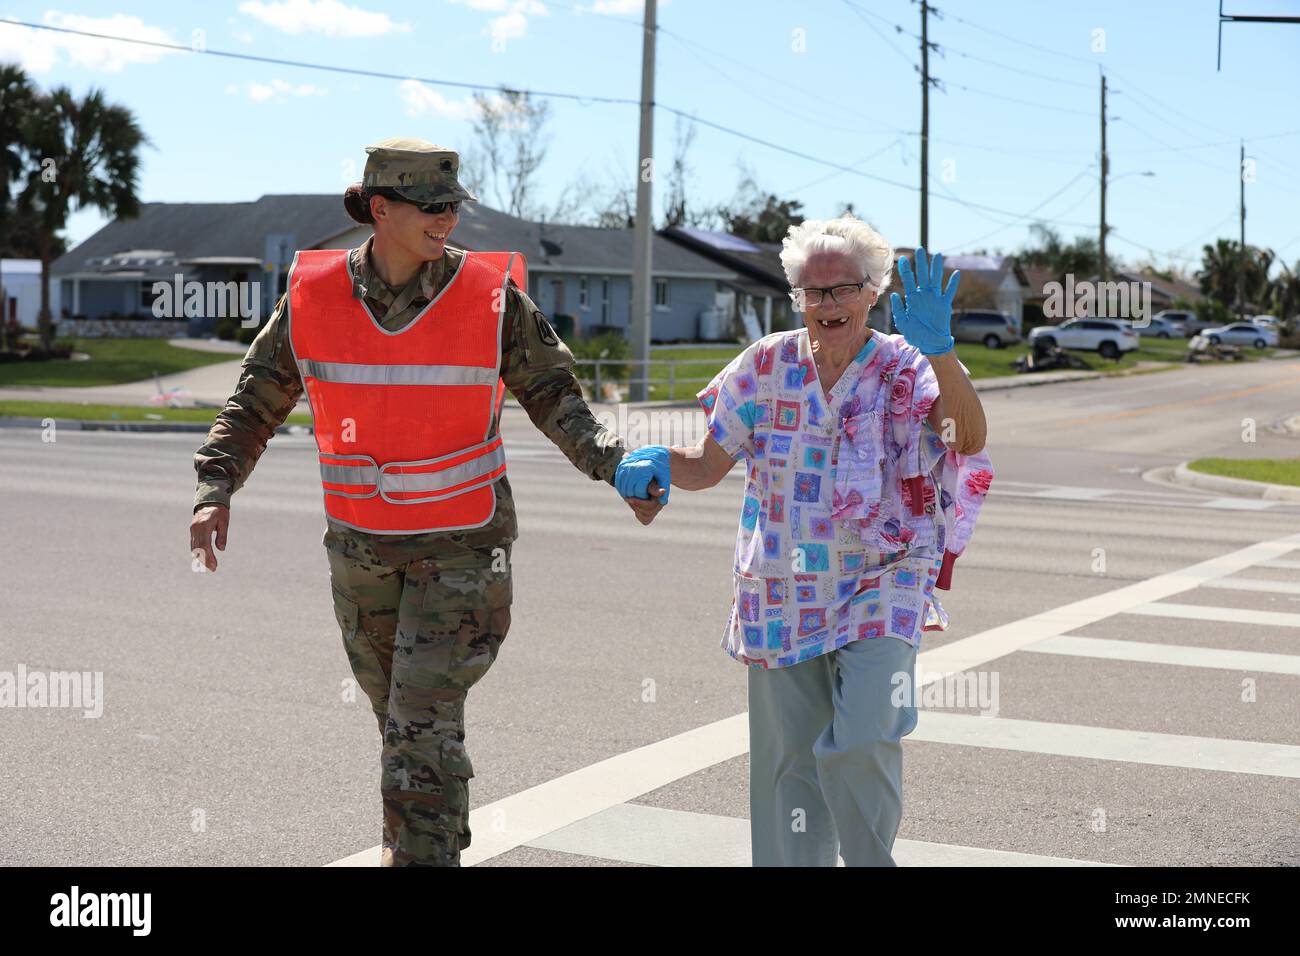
(644, 232)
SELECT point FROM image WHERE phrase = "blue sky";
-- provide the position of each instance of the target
(825, 77)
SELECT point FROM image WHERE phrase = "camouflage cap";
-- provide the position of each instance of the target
(416, 169)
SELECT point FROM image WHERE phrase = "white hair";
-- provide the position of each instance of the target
(847, 235)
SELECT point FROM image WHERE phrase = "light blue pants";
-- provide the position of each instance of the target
(826, 755)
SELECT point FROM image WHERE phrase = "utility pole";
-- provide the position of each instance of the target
(644, 232)
(1241, 265)
(925, 127)
(1105, 162)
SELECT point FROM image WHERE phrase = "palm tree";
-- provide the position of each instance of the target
(17, 99)
(1233, 279)
(1284, 298)
(81, 154)
(1080, 257)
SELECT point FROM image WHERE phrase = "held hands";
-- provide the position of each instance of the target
(643, 478)
(926, 319)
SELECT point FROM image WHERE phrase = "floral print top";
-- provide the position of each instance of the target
(854, 508)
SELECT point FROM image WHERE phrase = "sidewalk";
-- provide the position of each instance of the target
(207, 386)
(211, 385)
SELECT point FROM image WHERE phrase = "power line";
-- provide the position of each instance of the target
(1029, 214)
(352, 71)
(855, 164)
(1003, 66)
(748, 89)
(870, 26)
(1033, 46)
(1011, 99)
(837, 166)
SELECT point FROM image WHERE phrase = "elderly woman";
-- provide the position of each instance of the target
(864, 477)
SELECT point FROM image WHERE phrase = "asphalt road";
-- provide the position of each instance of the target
(1145, 714)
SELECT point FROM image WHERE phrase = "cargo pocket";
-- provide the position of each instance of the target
(347, 613)
(454, 758)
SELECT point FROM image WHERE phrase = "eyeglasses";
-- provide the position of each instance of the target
(847, 292)
(433, 208)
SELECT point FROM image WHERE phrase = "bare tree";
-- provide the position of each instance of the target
(675, 213)
(509, 146)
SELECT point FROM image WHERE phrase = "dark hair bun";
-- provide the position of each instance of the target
(357, 204)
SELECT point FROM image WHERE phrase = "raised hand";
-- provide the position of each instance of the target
(926, 319)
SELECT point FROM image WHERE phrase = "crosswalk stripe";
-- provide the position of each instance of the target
(1072, 493)
(1108, 743)
(1281, 563)
(969, 653)
(1202, 612)
(1180, 654)
(1255, 584)
(527, 816)
(658, 836)
(1238, 504)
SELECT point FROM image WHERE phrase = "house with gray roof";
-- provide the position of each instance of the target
(581, 272)
(760, 294)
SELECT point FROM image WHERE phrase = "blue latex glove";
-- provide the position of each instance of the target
(926, 320)
(637, 468)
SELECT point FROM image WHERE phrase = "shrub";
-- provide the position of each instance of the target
(605, 345)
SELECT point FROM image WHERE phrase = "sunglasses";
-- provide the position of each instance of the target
(428, 208)
(434, 208)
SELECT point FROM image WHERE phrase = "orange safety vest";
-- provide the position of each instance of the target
(404, 420)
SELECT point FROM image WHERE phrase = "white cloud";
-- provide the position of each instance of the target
(616, 8)
(40, 51)
(278, 90)
(330, 17)
(513, 20)
(240, 33)
(420, 99)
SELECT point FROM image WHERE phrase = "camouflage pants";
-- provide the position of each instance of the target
(419, 632)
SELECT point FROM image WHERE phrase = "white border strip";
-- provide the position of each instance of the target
(658, 836)
(1229, 615)
(1182, 655)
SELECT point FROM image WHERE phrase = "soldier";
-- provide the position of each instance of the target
(419, 513)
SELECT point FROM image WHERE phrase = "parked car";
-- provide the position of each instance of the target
(994, 329)
(1268, 321)
(1158, 328)
(1182, 320)
(1243, 333)
(1110, 338)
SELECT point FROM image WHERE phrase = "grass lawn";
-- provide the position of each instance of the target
(1279, 471)
(704, 363)
(112, 362)
(74, 411)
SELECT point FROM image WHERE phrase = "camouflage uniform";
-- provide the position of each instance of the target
(422, 615)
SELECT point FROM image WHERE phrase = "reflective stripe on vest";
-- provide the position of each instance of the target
(393, 430)
(353, 374)
(430, 480)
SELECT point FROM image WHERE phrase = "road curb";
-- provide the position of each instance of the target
(1241, 487)
(981, 385)
(76, 424)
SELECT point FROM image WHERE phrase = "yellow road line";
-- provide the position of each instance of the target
(1205, 400)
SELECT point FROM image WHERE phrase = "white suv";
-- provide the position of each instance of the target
(1110, 338)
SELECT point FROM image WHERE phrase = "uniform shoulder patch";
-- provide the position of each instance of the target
(544, 330)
